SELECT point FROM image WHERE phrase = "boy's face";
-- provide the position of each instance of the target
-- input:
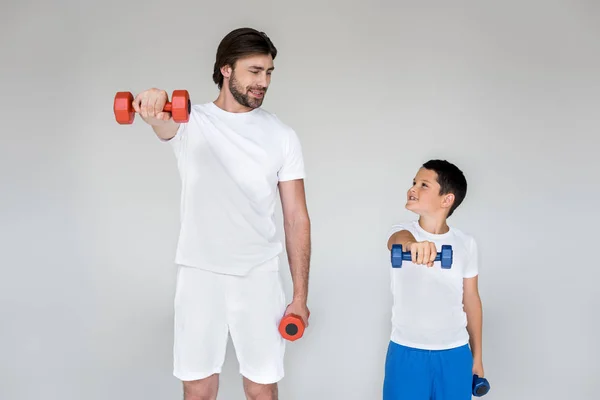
(424, 198)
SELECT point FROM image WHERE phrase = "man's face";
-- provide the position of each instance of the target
(250, 79)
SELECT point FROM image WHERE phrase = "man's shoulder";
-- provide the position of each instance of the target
(200, 108)
(273, 119)
(209, 108)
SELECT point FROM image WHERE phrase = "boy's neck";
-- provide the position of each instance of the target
(434, 225)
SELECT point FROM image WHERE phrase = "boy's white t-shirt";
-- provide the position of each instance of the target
(230, 165)
(427, 310)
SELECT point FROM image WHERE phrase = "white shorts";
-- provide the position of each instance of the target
(209, 306)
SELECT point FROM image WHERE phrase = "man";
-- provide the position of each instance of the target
(233, 157)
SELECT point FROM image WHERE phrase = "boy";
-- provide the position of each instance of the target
(437, 312)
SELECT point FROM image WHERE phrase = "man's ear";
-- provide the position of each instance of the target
(226, 70)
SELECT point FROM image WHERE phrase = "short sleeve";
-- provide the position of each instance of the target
(293, 161)
(177, 141)
(472, 266)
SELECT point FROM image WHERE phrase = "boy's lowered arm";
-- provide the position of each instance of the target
(474, 311)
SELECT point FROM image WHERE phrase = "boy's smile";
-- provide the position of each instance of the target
(424, 195)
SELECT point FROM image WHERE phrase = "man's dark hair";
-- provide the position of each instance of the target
(451, 180)
(239, 43)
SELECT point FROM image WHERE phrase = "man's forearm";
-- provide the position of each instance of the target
(166, 132)
(298, 246)
(474, 312)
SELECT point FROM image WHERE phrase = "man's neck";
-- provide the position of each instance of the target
(226, 102)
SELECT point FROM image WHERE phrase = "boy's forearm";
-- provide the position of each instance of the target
(474, 311)
(402, 238)
(298, 246)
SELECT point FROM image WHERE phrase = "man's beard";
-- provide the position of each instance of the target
(245, 99)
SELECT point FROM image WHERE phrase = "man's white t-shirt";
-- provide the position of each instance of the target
(230, 165)
(427, 311)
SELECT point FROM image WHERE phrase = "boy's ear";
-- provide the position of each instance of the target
(448, 200)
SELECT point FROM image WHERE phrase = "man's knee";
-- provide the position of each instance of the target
(203, 389)
(256, 391)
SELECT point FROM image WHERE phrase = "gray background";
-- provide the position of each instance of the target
(508, 90)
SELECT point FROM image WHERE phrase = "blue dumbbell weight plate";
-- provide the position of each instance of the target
(480, 386)
(446, 257)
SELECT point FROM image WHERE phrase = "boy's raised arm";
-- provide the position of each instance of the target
(401, 237)
(422, 253)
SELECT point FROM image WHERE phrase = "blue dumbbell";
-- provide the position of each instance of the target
(480, 386)
(445, 256)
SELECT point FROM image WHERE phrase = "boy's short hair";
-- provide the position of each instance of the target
(451, 180)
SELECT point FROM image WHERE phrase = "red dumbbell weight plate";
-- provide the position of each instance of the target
(180, 106)
(291, 327)
(123, 108)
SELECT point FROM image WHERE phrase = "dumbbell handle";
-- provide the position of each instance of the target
(407, 256)
(168, 107)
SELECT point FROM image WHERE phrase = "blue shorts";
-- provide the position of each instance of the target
(416, 374)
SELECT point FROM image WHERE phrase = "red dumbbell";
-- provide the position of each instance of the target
(291, 327)
(179, 107)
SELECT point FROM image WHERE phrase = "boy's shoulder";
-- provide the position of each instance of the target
(405, 223)
(408, 225)
(462, 234)
(414, 227)
(459, 231)
(464, 239)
